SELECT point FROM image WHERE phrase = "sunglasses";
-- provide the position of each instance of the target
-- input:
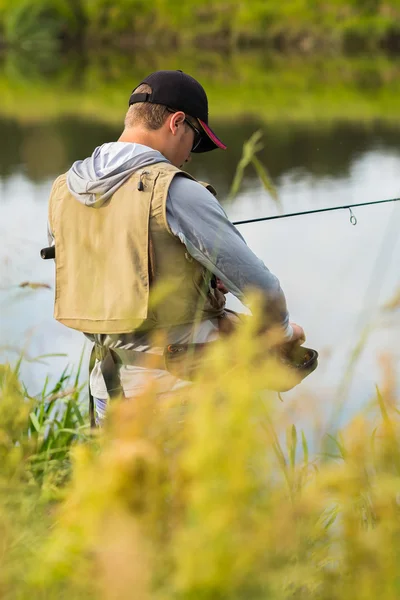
(197, 133)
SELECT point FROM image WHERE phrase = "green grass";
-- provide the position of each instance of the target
(43, 427)
(212, 493)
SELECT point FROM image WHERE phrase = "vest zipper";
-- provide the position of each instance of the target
(140, 185)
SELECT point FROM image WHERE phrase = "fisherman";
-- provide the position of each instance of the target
(142, 247)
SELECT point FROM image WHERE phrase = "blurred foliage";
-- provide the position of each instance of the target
(40, 430)
(35, 437)
(304, 24)
(206, 494)
(41, 25)
(269, 87)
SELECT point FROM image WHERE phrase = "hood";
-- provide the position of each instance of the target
(93, 180)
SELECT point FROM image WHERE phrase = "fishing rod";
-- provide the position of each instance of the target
(50, 251)
(353, 219)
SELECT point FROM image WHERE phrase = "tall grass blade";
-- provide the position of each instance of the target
(292, 446)
(265, 178)
(250, 149)
(305, 447)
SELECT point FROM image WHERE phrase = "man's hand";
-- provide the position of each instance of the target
(298, 337)
(221, 287)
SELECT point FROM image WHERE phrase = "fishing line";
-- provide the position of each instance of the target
(49, 252)
(353, 219)
(370, 303)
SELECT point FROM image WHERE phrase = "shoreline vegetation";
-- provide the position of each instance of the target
(272, 87)
(303, 25)
(214, 493)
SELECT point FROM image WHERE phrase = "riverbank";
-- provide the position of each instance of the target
(268, 87)
(211, 495)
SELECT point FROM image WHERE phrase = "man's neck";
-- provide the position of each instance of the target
(152, 139)
(140, 136)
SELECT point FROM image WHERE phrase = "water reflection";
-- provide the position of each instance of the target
(44, 150)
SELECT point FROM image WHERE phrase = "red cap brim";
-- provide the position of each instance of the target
(216, 142)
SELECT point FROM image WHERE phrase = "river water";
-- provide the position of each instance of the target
(337, 277)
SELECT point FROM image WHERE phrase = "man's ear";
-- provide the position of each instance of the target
(177, 119)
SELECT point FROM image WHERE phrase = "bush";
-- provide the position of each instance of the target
(222, 23)
(40, 25)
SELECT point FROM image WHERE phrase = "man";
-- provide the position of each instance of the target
(142, 247)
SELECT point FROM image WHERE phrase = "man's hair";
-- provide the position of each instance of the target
(151, 116)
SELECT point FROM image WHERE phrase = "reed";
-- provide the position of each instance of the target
(208, 494)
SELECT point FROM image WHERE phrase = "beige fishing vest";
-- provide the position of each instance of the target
(119, 268)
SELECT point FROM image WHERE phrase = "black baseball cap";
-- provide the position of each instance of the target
(180, 91)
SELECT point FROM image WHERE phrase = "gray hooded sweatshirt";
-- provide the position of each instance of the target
(196, 217)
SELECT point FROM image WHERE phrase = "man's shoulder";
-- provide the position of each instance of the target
(59, 184)
(185, 184)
